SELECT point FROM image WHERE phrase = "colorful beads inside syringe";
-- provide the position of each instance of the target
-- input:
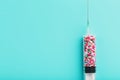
(89, 51)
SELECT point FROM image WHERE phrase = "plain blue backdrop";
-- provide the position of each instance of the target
(42, 39)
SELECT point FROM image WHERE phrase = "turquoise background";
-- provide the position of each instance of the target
(42, 39)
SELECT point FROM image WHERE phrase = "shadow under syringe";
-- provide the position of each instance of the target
(81, 60)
